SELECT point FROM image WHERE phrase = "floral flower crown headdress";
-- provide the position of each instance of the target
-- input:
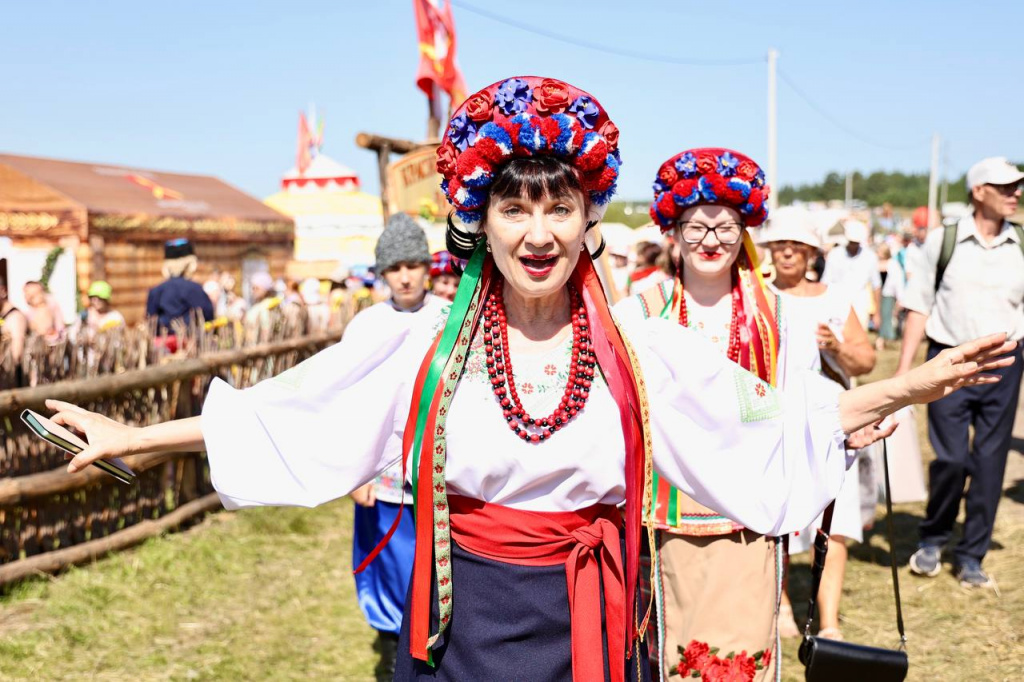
(519, 117)
(709, 175)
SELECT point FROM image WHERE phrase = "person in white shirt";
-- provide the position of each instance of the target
(403, 260)
(981, 288)
(524, 511)
(853, 269)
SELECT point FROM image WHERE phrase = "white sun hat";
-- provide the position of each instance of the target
(790, 224)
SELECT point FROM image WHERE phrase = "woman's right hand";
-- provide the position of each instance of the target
(107, 438)
(364, 495)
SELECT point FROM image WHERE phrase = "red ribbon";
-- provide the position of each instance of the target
(586, 541)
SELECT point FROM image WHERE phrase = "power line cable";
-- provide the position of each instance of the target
(600, 47)
(687, 61)
(842, 126)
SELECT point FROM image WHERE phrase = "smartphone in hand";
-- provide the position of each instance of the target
(57, 435)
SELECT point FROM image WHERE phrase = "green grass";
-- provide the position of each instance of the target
(256, 595)
(267, 594)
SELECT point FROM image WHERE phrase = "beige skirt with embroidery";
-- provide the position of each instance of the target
(720, 590)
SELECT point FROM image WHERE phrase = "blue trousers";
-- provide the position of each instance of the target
(990, 410)
(382, 587)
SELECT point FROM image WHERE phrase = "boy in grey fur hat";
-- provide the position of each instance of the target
(403, 260)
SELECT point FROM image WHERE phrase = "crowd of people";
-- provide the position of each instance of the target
(721, 392)
(181, 302)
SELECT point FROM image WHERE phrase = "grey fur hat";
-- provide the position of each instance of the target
(403, 241)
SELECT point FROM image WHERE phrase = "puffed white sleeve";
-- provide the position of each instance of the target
(769, 459)
(317, 431)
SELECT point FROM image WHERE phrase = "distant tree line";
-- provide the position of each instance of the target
(904, 190)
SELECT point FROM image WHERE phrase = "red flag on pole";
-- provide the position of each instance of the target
(302, 155)
(435, 28)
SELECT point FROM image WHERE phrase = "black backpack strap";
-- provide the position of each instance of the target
(948, 244)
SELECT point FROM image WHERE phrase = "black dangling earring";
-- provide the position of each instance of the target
(600, 250)
(460, 243)
(591, 224)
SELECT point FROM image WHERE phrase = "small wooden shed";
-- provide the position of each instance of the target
(115, 220)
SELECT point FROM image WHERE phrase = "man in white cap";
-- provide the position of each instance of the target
(854, 270)
(971, 282)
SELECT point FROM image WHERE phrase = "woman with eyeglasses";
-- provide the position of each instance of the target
(717, 584)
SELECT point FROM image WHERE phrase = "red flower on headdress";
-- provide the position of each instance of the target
(707, 163)
(446, 158)
(756, 198)
(549, 130)
(747, 170)
(684, 188)
(478, 107)
(667, 174)
(717, 184)
(489, 150)
(600, 180)
(610, 132)
(551, 96)
(594, 157)
(733, 195)
(667, 206)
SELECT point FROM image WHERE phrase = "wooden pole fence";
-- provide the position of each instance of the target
(56, 560)
(87, 390)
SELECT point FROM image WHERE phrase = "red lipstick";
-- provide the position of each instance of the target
(538, 266)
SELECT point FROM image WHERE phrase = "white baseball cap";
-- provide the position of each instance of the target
(995, 170)
(855, 231)
(791, 224)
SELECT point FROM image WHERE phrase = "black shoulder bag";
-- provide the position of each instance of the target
(827, 659)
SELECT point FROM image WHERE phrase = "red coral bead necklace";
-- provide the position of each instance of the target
(582, 367)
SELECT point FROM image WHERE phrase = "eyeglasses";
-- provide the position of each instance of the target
(1008, 190)
(695, 233)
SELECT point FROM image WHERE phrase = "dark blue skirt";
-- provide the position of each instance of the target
(509, 622)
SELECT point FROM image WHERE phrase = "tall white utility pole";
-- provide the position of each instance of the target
(773, 148)
(933, 183)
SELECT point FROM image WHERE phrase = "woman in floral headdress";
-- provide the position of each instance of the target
(717, 582)
(518, 489)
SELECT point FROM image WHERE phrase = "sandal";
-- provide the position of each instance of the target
(834, 634)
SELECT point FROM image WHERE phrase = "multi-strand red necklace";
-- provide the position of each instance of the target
(733, 350)
(499, 369)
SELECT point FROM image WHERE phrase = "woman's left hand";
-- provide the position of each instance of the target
(954, 368)
(827, 340)
(870, 434)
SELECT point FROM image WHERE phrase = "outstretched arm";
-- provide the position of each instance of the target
(950, 370)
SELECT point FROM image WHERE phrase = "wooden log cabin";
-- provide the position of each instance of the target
(113, 220)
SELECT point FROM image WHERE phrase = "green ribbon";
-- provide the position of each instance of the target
(460, 307)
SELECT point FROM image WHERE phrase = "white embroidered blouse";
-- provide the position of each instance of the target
(770, 460)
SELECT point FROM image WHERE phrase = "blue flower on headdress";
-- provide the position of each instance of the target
(686, 165)
(513, 96)
(659, 186)
(689, 200)
(727, 164)
(758, 178)
(706, 190)
(585, 111)
(740, 185)
(462, 132)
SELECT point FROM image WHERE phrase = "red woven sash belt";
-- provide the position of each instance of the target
(577, 539)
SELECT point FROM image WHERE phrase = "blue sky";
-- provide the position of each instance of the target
(216, 87)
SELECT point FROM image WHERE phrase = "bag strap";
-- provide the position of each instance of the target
(821, 551)
(948, 244)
